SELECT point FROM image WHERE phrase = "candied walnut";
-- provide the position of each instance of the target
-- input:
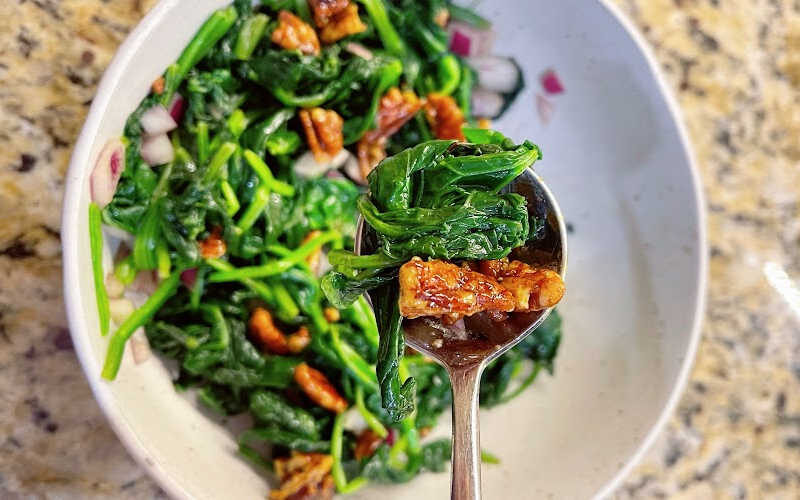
(396, 108)
(370, 154)
(293, 34)
(299, 340)
(324, 10)
(316, 385)
(533, 289)
(158, 85)
(304, 476)
(268, 335)
(343, 24)
(438, 288)
(366, 444)
(445, 117)
(442, 17)
(332, 314)
(214, 246)
(323, 128)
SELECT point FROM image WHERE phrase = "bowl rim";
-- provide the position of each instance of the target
(70, 237)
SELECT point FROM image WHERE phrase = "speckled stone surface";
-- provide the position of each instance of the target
(735, 65)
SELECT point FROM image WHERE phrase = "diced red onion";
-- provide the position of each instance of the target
(114, 287)
(144, 283)
(545, 109)
(498, 74)
(460, 44)
(157, 150)
(120, 234)
(120, 309)
(189, 277)
(359, 50)
(323, 264)
(551, 82)
(485, 103)
(481, 42)
(176, 107)
(157, 120)
(307, 167)
(140, 346)
(390, 438)
(334, 174)
(353, 170)
(107, 171)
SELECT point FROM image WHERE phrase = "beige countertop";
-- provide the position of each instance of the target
(735, 66)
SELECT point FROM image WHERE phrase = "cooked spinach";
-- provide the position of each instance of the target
(232, 178)
(440, 199)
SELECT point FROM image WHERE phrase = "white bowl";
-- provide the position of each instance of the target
(617, 158)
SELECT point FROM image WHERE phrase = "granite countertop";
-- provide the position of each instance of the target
(735, 66)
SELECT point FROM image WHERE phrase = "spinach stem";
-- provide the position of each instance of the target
(283, 300)
(203, 147)
(255, 209)
(363, 372)
(278, 266)
(96, 247)
(219, 160)
(262, 170)
(258, 287)
(231, 200)
(116, 347)
(388, 34)
(204, 40)
(372, 421)
(251, 33)
(125, 270)
(162, 257)
(339, 477)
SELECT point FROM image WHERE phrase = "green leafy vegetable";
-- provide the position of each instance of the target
(228, 227)
(439, 200)
(96, 246)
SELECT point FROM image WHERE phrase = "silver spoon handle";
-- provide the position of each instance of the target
(466, 463)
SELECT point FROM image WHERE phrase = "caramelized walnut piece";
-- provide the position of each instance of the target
(366, 444)
(266, 333)
(370, 154)
(323, 128)
(158, 85)
(214, 246)
(396, 108)
(299, 340)
(293, 34)
(316, 385)
(445, 117)
(303, 476)
(533, 289)
(342, 24)
(332, 314)
(440, 289)
(442, 17)
(324, 10)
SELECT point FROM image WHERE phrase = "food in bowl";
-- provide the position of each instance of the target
(236, 180)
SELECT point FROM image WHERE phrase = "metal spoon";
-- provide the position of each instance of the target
(465, 353)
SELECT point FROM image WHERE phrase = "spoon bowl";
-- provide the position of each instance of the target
(464, 349)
